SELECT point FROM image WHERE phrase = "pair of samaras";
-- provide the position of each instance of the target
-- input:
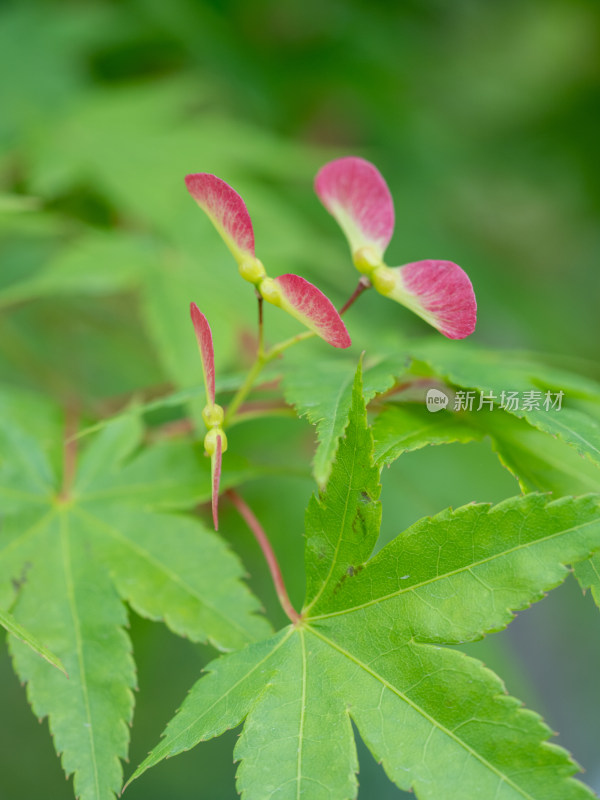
(356, 194)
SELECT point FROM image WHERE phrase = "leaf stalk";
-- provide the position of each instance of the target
(363, 284)
(69, 453)
(270, 557)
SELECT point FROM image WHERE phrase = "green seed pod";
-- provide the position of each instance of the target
(210, 441)
(252, 270)
(212, 415)
(384, 280)
(270, 291)
(366, 260)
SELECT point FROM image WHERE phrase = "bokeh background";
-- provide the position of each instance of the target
(485, 119)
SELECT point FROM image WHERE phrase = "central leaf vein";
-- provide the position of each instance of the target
(302, 714)
(451, 573)
(140, 551)
(340, 537)
(66, 554)
(442, 728)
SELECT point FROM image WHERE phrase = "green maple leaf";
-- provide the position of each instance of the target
(368, 649)
(76, 555)
(321, 390)
(539, 460)
(577, 423)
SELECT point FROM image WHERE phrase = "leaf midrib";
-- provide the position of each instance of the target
(66, 559)
(156, 756)
(446, 575)
(571, 431)
(386, 684)
(325, 441)
(325, 583)
(302, 714)
(116, 533)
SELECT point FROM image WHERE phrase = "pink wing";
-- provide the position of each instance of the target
(441, 293)
(309, 305)
(215, 474)
(205, 344)
(226, 210)
(355, 193)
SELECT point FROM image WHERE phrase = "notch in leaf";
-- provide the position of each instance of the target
(228, 213)
(440, 292)
(215, 441)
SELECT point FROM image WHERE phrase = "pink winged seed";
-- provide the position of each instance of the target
(226, 210)
(308, 304)
(205, 344)
(216, 479)
(444, 290)
(357, 189)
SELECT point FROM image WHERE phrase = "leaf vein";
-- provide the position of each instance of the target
(116, 533)
(502, 777)
(465, 568)
(66, 555)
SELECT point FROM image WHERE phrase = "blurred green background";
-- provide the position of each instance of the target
(484, 118)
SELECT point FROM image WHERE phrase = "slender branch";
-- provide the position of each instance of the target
(244, 389)
(363, 284)
(261, 361)
(263, 358)
(409, 383)
(69, 452)
(278, 349)
(265, 545)
(261, 330)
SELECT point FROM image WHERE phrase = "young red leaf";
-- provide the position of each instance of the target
(227, 212)
(355, 193)
(205, 345)
(438, 291)
(215, 473)
(308, 304)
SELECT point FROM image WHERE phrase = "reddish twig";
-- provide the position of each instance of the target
(411, 383)
(265, 545)
(259, 297)
(69, 452)
(363, 284)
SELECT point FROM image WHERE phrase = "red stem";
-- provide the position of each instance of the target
(260, 309)
(69, 452)
(265, 545)
(411, 383)
(261, 329)
(363, 284)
